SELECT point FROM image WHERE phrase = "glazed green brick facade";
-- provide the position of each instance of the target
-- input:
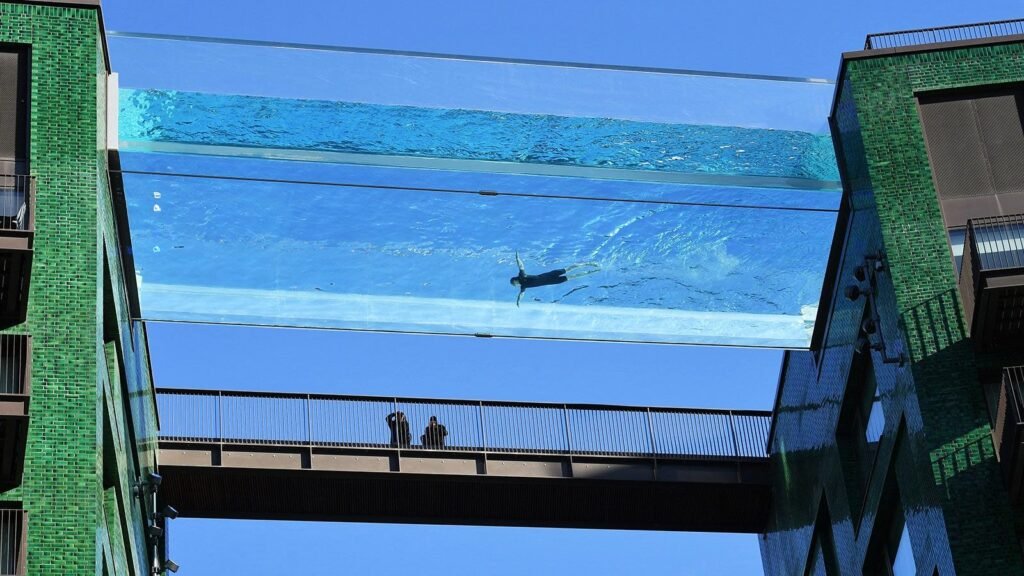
(955, 420)
(937, 439)
(91, 406)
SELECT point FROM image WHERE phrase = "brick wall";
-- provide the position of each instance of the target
(936, 438)
(71, 528)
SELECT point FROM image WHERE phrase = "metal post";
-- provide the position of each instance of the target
(650, 428)
(654, 446)
(220, 416)
(309, 420)
(735, 441)
(398, 428)
(568, 431)
(483, 433)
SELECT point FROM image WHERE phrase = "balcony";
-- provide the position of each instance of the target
(17, 228)
(15, 386)
(13, 543)
(1008, 430)
(992, 280)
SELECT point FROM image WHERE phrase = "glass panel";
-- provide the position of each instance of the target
(470, 181)
(326, 104)
(816, 567)
(283, 253)
(375, 190)
(876, 422)
(903, 564)
(956, 242)
(353, 132)
(391, 78)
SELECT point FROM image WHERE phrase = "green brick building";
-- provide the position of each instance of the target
(78, 416)
(894, 440)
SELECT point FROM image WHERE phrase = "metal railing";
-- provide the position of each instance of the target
(991, 244)
(15, 367)
(1009, 418)
(479, 426)
(956, 33)
(17, 202)
(1013, 380)
(13, 534)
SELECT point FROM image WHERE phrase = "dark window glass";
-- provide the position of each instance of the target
(822, 559)
(889, 548)
(861, 423)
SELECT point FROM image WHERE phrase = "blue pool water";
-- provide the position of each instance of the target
(284, 253)
(224, 235)
(360, 128)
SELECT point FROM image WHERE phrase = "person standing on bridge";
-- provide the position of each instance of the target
(433, 435)
(399, 425)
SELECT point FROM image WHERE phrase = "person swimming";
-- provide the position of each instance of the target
(524, 280)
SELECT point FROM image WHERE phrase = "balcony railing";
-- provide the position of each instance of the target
(959, 33)
(17, 228)
(15, 392)
(13, 541)
(992, 279)
(479, 426)
(1008, 431)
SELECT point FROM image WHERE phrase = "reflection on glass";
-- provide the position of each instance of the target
(956, 242)
(338, 105)
(903, 564)
(326, 73)
(816, 566)
(876, 421)
(474, 181)
(378, 190)
(282, 253)
(342, 129)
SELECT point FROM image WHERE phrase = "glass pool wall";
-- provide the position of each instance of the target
(332, 188)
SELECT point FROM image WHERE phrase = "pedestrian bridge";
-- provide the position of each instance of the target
(256, 455)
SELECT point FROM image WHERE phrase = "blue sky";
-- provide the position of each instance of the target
(797, 38)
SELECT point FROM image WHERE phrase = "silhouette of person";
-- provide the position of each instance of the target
(433, 435)
(399, 425)
(524, 280)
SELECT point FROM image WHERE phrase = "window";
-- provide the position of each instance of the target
(894, 555)
(13, 110)
(861, 423)
(903, 560)
(889, 549)
(957, 237)
(822, 560)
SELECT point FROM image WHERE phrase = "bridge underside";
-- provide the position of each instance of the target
(205, 480)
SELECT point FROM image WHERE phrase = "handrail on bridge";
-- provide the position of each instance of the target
(956, 33)
(322, 420)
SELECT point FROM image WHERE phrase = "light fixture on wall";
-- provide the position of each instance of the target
(871, 326)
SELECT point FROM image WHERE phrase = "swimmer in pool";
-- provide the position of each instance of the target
(524, 280)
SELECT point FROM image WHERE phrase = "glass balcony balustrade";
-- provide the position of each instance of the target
(372, 190)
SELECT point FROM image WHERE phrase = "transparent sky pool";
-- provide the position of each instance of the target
(374, 190)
